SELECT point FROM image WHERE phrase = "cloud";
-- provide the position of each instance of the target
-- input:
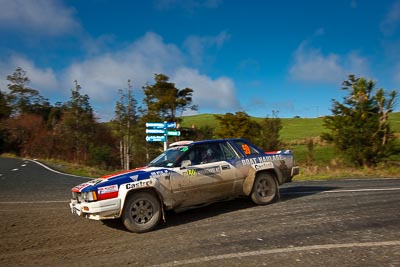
(391, 20)
(102, 73)
(101, 76)
(198, 45)
(215, 95)
(40, 17)
(43, 79)
(40, 78)
(311, 65)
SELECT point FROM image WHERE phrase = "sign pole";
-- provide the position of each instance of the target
(166, 136)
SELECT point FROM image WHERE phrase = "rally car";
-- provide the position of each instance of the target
(186, 175)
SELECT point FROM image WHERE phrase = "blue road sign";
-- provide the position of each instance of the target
(155, 131)
(156, 138)
(155, 124)
(171, 124)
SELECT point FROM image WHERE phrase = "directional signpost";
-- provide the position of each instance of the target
(155, 138)
(173, 133)
(160, 128)
(155, 131)
(158, 125)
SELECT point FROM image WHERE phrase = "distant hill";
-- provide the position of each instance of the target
(293, 128)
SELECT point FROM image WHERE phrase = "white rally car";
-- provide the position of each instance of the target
(186, 175)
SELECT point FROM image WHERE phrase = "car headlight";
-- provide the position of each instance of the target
(89, 196)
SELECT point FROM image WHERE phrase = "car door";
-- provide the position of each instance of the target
(208, 177)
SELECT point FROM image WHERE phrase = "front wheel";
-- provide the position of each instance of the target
(142, 212)
(265, 189)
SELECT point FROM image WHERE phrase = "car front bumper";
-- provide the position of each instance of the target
(98, 210)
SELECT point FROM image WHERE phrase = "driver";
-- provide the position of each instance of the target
(207, 156)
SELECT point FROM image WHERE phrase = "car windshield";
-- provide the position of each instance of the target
(168, 157)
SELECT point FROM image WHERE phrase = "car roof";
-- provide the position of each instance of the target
(218, 140)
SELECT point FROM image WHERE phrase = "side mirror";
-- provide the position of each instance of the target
(185, 163)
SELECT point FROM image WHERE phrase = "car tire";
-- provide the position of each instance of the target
(265, 189)
(142, 212)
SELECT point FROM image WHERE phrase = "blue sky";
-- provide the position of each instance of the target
(254, 56)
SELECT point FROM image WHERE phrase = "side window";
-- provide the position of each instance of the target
(206, 153)
(246, 148)
(227, 152)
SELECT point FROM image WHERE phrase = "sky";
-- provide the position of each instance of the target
(262, 57)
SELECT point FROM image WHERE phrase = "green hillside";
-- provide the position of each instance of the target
(293, 128)
(394, 119)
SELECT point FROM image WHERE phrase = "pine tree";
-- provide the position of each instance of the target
(125, 121)
(358, 127)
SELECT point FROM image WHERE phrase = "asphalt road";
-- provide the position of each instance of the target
(348, 222)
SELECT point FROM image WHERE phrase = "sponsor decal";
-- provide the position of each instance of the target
(107, 192)
(134, 177)
(246, 149)
(78, 188)
(138, 184)
(264, 165)
(107, 189)
(159, 174)
(206, 171)
(252, 161)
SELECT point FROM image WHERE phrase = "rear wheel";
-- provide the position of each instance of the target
(142, 212)
(265, 189)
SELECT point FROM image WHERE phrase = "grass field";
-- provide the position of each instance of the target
(295, 132)
(292, 129)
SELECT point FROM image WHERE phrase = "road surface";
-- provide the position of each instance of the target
(347, 222)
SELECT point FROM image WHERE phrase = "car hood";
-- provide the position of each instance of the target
(120, 178)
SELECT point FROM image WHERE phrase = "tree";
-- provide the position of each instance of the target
(27, 135)
(264, 134)
(25, 99)
(269, 136)
(77, 126)
(164, 101)
(359, 129)
(125, 120)
(5, 108)
(238, 125)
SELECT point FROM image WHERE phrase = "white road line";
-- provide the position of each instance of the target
(34, 202)
(341, 191)
(278, 250)
(50, 169)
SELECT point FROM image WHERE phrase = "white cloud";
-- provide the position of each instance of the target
(101, 76)
(40, 78)
(43, 17)
(197, 45)
(215, 95)
(311, 65)
(43, 79)
(358, 65)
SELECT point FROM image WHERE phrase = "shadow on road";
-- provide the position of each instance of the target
(215, 209)
(289, 193)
